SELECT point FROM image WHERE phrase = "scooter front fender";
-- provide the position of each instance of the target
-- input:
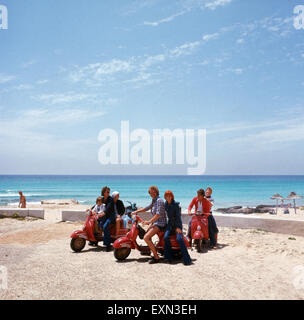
(79, 234)
(122, 242)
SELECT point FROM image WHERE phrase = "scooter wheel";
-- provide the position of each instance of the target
(121, 253)
(198, 245)
(77, 244)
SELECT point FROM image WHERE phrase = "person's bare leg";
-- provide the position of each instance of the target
(117, 225)
(97, 230)
(148, 236)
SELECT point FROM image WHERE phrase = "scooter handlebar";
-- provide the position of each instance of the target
(137, 218)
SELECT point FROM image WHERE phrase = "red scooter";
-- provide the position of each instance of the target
(199, 230)
(123, 246)
(80, 237)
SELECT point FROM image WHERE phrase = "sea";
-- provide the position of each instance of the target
(227, 190)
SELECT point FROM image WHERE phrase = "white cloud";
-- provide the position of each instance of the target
(113, 66)
(208, 37)
(212, 5)
(42, 81)
(98, 70)
(6, 78)
(32, 125)
(23, 87)
(168, 19)
(28, 64)
(275, 136)
(69, 97)
(184, 49)
(43, 116)
(237, 70)
(270, 134)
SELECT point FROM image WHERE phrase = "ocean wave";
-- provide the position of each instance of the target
(13, 204)
(9, 195)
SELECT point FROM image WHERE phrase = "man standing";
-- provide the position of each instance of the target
(22, 200)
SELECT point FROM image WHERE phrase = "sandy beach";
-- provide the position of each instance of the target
(248, 264)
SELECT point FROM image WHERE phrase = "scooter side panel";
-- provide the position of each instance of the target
(79, 234)
(123, 242)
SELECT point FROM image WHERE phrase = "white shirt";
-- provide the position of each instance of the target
(99, 209)
(199, 206)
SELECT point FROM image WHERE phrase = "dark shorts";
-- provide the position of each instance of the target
(163, 229)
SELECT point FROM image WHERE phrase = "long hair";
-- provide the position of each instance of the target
(154, 188)
(169, 193)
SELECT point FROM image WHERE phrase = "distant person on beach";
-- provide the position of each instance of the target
(175, 225)
(22, 200)
(119, 209)
(202, 206)
(157, 222)
(106, 217)
(212, 227)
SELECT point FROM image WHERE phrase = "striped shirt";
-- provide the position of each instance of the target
(157, 206)
(211, 200)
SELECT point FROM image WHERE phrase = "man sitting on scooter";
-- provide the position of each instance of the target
(202, 206)
(157, 222)
(174, 226)
(119, 209)
(107, 217)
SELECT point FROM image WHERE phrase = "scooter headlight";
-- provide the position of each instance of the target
(199, 228)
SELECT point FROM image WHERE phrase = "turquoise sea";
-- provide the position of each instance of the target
(227, 190)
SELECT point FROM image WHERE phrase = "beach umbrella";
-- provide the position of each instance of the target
(293, 196)
(277, 197)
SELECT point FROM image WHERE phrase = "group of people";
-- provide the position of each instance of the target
(109, 209)
(166, 216)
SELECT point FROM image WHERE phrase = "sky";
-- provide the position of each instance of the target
(69, 69)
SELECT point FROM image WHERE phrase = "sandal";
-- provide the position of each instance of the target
(153, 260)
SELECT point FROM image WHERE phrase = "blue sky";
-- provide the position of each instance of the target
(69, 69)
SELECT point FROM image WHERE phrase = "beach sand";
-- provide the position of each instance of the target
(248, 264)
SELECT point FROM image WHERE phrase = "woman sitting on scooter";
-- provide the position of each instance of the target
(119, 209)
(157, 222)
(174, 226)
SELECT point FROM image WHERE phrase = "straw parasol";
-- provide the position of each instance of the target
(277, 197)
(293, 196)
